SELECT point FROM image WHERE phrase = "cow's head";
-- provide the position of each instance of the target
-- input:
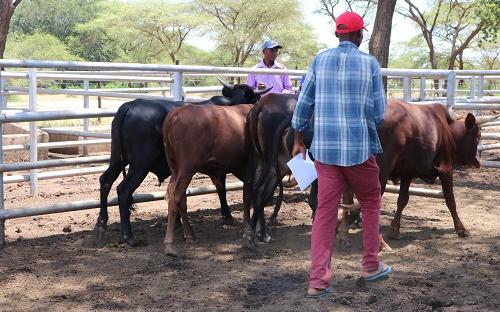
(467, 138)
(241, 93)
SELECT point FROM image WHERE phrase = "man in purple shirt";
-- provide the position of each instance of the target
(281, 83)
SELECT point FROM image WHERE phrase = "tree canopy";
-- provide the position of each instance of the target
(454, 33)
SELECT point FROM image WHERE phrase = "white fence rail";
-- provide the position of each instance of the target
(171, 78)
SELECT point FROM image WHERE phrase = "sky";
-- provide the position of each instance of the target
(402, 28)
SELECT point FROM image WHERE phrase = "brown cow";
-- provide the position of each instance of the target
(207, 139)
(419, 141)
(423, 141)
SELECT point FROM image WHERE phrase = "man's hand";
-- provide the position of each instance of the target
(261, 85)
(298, 145)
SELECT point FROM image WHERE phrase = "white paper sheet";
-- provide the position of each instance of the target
(303, 170)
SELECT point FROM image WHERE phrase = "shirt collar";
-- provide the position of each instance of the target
(347, 44)
(275, 65)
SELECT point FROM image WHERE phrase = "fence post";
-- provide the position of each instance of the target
(86, 105)
(422, 89)
(163, 86)
(177, 91)
(472, 87)
(2, 203)
(406, 89)
(3, 94)
(33, 132)
(480, 87)
(450, 89)
(479, 93)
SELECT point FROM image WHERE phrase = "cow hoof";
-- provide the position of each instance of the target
(130, 241)
(264, 238)
(384, 247)
(229, 220)
(248, 244)
(99, 237)
(101, 225)
(273, 222)
(191, 240)
(394, 234)
(170, 250)
(463, 233)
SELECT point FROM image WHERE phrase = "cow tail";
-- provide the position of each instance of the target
(117, 131)
(272, 160)
(275, 150)
(253, 125)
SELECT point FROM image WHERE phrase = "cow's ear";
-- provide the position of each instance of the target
(470, 121)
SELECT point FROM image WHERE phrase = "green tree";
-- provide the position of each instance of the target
(92, 43)
(40, 47)
(454, 24)
(55, 17)
(239, 26)
(143, 31)
(299, 45)
(165, 26)
(7, 8)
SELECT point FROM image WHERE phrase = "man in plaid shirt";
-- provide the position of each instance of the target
(344, 89)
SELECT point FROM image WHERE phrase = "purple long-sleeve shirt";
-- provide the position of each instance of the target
(280, 83)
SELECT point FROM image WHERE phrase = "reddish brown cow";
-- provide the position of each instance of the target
(207, 139)
(423, 141)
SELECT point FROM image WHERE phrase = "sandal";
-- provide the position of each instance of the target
(321, 294)
(381, 273)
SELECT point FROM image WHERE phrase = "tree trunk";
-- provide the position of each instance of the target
(6, 10)
(381, 36)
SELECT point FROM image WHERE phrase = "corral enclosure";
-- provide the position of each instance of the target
(51, 262)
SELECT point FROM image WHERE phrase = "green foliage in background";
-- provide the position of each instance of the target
(55, 17)
(161, 31)
(38, 46)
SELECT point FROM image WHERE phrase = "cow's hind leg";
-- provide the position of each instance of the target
(403, 198)
(348, 207)
(273, 220)
(447, 184)
(265, 191)
(220, 185)
(106, 181)
(177, 203)
(126, 189)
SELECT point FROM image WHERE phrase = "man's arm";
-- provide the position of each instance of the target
(379, 102)
(287, 84)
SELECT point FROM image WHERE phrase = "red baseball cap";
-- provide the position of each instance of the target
(349, 22)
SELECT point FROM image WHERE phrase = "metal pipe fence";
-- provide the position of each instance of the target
(171, 78)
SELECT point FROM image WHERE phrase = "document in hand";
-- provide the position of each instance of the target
(303, 170)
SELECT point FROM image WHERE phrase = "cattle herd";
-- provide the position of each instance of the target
(251, 137)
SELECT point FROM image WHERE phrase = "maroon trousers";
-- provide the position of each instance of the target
(332, 182)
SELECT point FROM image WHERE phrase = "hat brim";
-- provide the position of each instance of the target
(346, 31)
(272, 47)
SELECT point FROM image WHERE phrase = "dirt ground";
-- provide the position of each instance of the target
(49, 263)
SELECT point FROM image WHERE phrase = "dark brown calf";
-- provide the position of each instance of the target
(207, 139)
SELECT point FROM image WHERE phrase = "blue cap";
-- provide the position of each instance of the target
(269, 44)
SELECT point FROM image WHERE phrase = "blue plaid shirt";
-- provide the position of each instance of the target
(344, 89)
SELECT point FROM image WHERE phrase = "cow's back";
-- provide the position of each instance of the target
(211, 136)
(413, 137)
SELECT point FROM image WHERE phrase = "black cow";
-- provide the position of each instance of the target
(269, 127)
(136, 140)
